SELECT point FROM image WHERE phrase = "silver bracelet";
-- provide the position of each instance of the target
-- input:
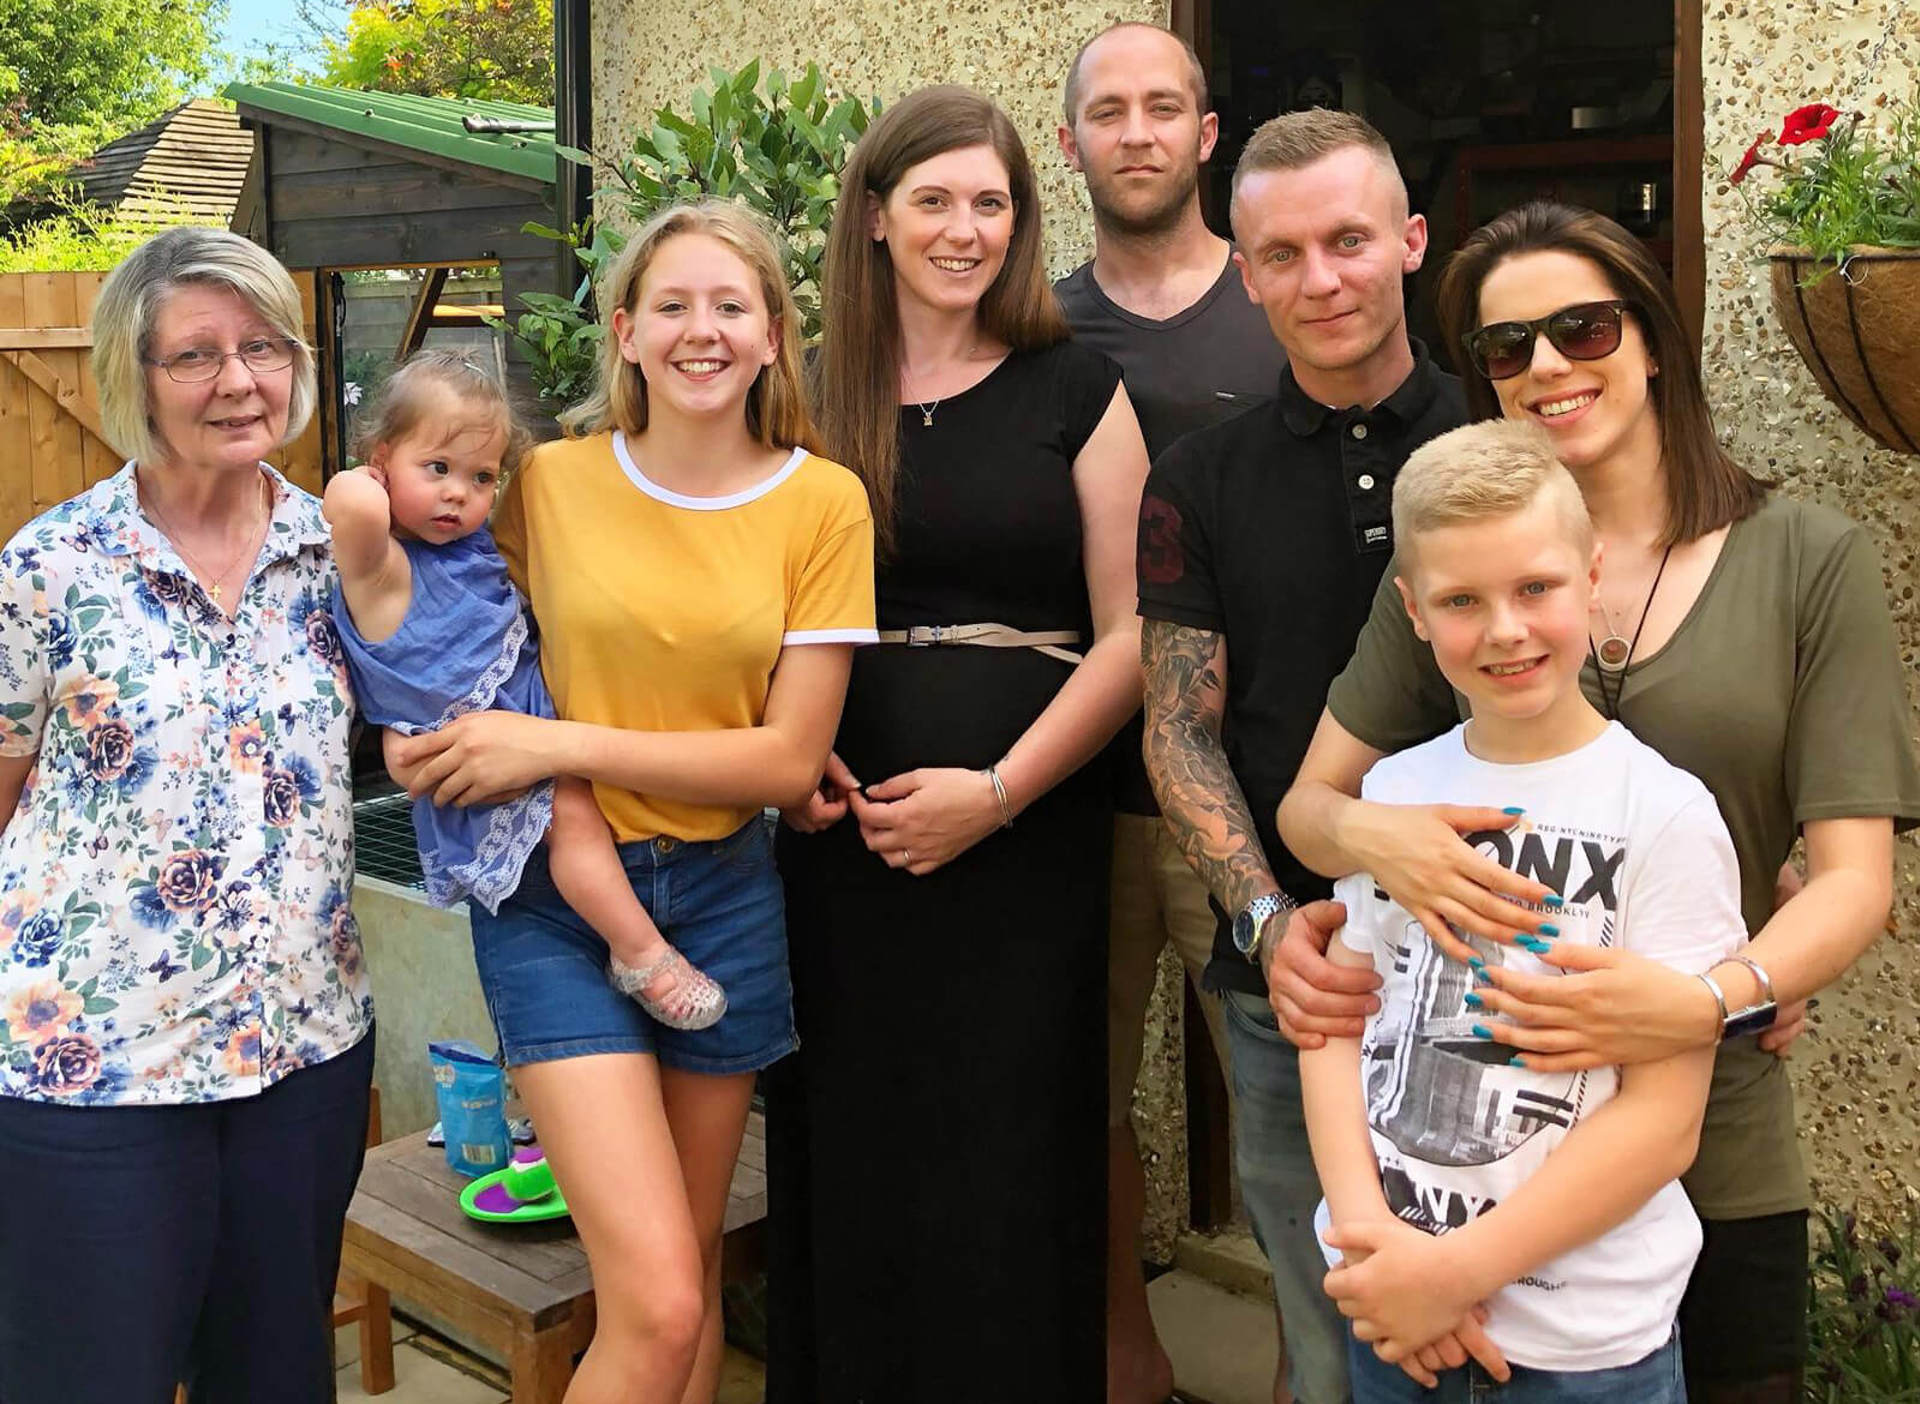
(992, 773)
(1719, 995)
(1766, 984)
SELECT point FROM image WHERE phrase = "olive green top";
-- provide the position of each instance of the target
(1781, 690)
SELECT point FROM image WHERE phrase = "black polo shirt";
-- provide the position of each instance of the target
(1274, 528)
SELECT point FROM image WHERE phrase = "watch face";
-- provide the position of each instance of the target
(1245, 926)
(1752, 1019)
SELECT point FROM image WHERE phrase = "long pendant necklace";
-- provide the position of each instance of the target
(1612, 654)
(253, 540)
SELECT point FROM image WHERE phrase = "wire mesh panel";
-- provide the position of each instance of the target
(383, 842)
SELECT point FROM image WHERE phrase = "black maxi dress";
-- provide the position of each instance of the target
(936, 1150)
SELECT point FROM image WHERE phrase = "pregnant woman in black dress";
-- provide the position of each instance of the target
(936, 1149)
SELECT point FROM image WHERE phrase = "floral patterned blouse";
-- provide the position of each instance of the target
(175, 884)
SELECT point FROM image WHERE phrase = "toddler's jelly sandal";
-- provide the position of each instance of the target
(694, 1002)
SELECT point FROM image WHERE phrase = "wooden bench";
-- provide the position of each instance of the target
(522, 1289)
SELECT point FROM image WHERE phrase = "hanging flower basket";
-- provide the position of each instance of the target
(1858, 330)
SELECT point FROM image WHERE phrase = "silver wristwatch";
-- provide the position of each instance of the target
(1250, 924)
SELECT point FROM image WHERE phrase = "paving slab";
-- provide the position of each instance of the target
(418, 1378)
(1223, 1345)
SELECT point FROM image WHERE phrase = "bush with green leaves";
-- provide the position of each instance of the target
(775, 145)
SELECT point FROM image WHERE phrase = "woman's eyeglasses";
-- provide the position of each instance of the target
(197, 363)
(1585, 331)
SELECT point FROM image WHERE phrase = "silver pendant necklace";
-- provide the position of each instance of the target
(926, 410)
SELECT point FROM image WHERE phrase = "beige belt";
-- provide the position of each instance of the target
(984, 636)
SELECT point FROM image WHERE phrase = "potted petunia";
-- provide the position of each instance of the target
(1841, 217)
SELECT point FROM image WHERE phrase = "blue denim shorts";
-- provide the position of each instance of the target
(1654, 1379)
(544, 971)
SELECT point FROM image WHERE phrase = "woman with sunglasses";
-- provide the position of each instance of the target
(1743, 634)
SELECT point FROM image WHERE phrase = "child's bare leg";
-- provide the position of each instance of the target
(588, 874)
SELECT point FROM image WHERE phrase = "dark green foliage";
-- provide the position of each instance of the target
(1863, 1315)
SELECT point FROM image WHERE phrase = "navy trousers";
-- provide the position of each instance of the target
(142, 1246)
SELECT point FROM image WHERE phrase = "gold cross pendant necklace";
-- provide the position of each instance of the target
(253, 540)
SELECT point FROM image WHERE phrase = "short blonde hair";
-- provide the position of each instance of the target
(1480, 472)
(132, 298)
(1297, 139)
(407, 398)
(777, 404)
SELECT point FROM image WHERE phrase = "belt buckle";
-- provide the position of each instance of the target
(925, 635)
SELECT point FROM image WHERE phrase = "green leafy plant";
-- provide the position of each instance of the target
(71, 235)
(1863, 1315)
(775, 145)
(1839, 184)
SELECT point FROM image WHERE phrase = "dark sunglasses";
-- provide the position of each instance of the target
(1585, 331)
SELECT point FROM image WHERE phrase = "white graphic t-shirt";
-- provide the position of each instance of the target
(1637, 849)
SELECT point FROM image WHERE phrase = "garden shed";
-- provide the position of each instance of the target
(392, 198)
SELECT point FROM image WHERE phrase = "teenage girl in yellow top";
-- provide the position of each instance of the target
(699, 579)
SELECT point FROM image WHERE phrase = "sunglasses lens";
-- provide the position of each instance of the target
(1586, 333)
(1502, 350)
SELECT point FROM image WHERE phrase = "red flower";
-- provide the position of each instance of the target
(1748, 161)
(1807, 123)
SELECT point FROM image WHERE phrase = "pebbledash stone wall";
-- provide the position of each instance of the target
(1858, 1072)
(1015, 51)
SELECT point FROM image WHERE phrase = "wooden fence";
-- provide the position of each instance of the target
(51, 445)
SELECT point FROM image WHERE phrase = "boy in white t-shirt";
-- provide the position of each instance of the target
(1475, 1199)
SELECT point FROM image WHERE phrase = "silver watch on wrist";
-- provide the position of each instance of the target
(1754, 1017)
(1251, 922)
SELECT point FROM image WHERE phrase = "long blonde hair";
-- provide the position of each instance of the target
(776, 404)
(857, 375)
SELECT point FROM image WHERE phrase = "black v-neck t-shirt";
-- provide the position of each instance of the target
(1208, 362)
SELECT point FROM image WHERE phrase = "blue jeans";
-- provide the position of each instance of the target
(1281, 1190)
(1655, 1379)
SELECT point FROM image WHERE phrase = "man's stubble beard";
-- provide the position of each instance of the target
(1160, 218)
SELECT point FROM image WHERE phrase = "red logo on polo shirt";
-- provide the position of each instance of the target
(1162, 558)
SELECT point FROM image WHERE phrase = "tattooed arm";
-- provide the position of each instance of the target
(1201, 801)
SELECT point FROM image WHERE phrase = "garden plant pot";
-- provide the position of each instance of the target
(1859, 333)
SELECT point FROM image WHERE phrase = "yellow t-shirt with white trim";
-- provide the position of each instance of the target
(662, 612)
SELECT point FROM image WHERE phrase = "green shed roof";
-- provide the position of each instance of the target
(431, 125)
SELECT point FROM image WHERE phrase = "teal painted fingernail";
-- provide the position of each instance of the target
(1513, 809)
(1474, 1001)
(1552, 899)
(1483, 975)
(1476, 963)
(1516, 1061)
(1482, 1031)
(1546, 928)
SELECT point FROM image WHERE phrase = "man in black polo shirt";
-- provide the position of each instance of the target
(1261, 543)
(1161, 295)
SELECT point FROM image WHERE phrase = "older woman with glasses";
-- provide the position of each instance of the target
(185, 1044)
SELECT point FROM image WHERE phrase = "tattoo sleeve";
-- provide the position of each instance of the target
(1186, 672)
